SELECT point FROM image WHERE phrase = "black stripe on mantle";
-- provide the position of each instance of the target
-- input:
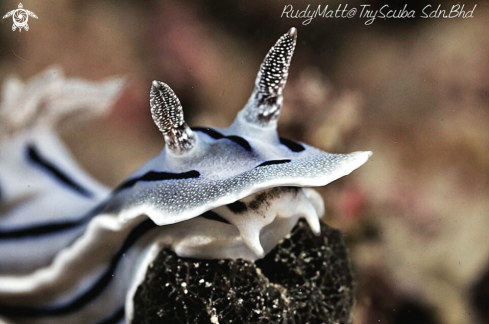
(216, 135)
(157, 176)
(35, 157)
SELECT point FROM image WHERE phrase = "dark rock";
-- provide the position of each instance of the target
(306, 279)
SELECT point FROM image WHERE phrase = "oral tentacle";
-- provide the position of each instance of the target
(316, 200)
(266, 209)
(311, 217)
(252, 240)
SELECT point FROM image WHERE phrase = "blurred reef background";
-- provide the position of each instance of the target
(414, 91)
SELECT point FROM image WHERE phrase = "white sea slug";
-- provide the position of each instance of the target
(72, 251)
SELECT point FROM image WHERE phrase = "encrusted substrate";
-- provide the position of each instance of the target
(306, 279)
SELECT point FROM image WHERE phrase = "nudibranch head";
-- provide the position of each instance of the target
(244, 181)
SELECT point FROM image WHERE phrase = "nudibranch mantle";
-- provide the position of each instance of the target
(210, 194)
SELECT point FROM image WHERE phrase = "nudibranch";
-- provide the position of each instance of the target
(72, 251)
